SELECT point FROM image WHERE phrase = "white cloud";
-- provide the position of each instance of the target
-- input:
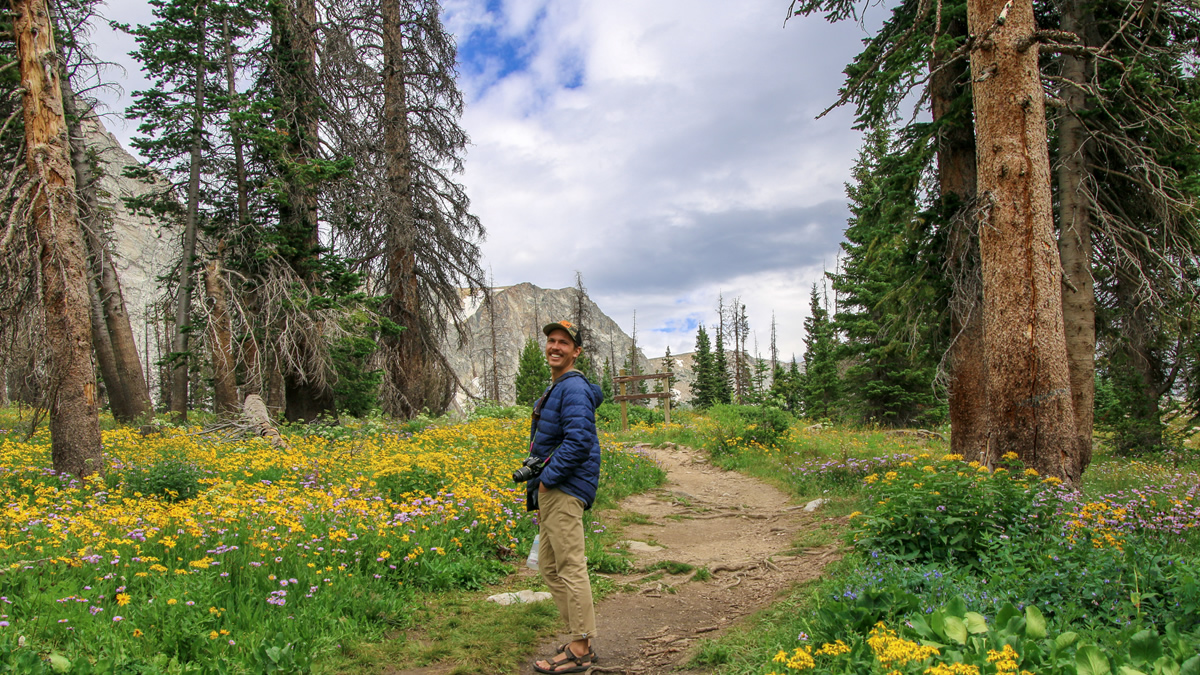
(682, 155)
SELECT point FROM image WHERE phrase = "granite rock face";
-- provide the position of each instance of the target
(519, 313)
(143, 249)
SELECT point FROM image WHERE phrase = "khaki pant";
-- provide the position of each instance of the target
(562, 562)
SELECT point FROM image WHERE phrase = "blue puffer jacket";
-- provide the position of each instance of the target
(567, 428)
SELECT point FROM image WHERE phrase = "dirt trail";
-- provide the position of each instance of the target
(736, 526)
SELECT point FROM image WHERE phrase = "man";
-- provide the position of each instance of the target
(563, 432)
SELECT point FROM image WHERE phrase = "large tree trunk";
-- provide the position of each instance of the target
(1141, 369)
(306, 394)
(124, 378)
(408, 363)
(966, 363)
(225, 395)
(183, 302)
(1075, 244)
(117, 401)
(1029, 384)
(74, 422)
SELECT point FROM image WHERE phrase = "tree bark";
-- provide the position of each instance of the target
(124, 378)
(1142, 369)
(1075, 244)
(1029, 385)
(225, 395)
(74, 421)
(408, 360)
(966, 364)
(117, 401)
(183, 303)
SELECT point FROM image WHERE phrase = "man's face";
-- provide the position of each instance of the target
(561, 350)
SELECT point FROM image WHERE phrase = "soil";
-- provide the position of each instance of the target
(739, 528)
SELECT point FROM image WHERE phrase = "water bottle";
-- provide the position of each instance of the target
(531, 562)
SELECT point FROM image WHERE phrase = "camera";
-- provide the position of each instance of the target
(531, 468)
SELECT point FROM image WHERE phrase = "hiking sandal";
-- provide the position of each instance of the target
(556, 664)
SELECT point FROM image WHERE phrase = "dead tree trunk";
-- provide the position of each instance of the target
(225, 395)
(408, 361)
(74, 423)
(1029, 384)
(965, 362)
(124, 378)
(1075, 243)
(102, 346)
(183, 302)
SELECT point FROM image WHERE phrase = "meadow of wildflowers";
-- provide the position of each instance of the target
(303, 548)
(958, 568)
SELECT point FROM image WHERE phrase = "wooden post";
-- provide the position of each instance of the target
(624, 405)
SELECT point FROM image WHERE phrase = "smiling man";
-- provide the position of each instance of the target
(563, 434)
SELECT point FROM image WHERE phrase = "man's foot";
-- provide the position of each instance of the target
(567, 661)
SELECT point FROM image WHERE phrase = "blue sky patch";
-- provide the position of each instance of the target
(491, 55)
(680, 325)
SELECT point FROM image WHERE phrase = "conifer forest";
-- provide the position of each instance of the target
(994, 407)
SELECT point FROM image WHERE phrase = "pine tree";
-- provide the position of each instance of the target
(606, 382)
(722, 387)
(704, 386)
(892, 366)
(794, 389)
(668, 365)
(633, 367)
(175, 114)
(821, 387)
(533, 373)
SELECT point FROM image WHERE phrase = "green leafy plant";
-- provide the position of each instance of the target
(929, 510)
(171, 479)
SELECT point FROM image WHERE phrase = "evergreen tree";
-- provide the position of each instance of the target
(704, 386)
(821, 387)
(606, 382)
(668, 364)
(793, 390)
(777, 394)
(533, 373)
(892, 367)
(176, 48)
(759, 392)
(722, 387)
(584, 365)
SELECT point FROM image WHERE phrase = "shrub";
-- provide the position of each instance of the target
(494, 410)
(401, 486)
(947, 510)
(731, 427)
(608, 415)
(172, 479)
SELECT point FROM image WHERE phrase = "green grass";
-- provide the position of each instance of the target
(457, 628)
(634, 518)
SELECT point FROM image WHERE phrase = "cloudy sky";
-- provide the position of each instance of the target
(666, 149)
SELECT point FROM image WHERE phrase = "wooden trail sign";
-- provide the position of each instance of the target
(624, 398)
